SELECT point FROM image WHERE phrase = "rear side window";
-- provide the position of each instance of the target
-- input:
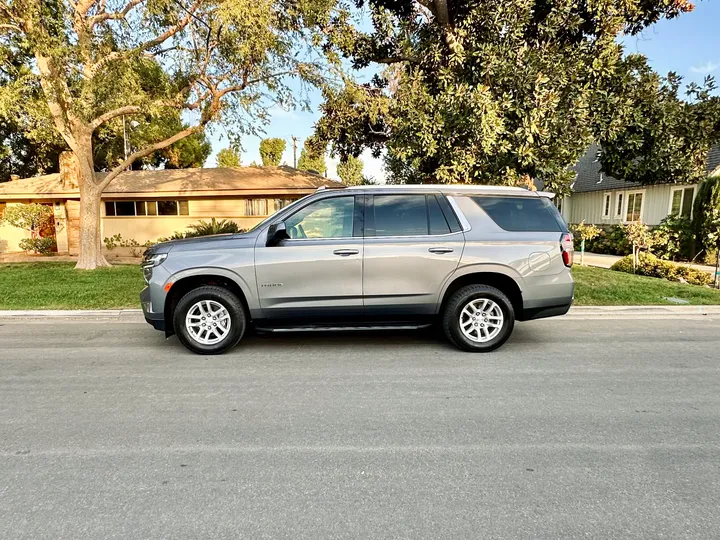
(530, 214)
(400, 215)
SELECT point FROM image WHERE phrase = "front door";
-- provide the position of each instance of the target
(410, 250)
(316, 274)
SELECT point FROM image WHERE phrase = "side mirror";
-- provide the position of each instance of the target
(276, 234)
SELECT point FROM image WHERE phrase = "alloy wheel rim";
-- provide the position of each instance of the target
(208, 322)
(481, 320)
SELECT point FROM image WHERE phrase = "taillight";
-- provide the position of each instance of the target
(567, 248)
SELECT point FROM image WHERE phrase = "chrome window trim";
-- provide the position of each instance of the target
(464, 223)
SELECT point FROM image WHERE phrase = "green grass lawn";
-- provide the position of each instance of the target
(600, 287)
(57, 285)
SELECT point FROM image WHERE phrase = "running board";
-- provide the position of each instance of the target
(342, 328)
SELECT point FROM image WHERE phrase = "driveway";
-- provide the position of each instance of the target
(576, 428)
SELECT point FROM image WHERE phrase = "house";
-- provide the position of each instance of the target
(150, 204)
(603, 200)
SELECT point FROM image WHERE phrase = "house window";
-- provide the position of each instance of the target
(146, 208)
(619, 206)
(279, 204)
(681, 201)
(607, 198)
(256, 207)
(634, 206)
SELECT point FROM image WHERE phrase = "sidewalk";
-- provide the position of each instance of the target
(606, 261)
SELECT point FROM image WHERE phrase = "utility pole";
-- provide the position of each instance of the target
(294, 140)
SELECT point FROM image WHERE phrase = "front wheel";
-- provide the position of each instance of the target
(209, 320)
(478, 318)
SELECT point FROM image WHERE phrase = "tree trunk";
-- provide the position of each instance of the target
(91, 256)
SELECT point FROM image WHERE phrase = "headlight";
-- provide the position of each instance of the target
(151, 261)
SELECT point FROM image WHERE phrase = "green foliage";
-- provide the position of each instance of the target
(586, 232)
(228, 157)
(117, 240)
(311, 158)
(673, 239)
(662, 137)
(31, 217)
(649, 265)
(350, 171)
(706, 215)
(206, 228)
(45, 246)
(271, 151)
(638, 234)
(610, 241)
(490, 92)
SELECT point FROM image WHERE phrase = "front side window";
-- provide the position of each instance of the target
(326, 218)
(634, 207)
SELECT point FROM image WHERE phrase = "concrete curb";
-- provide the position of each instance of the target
(577, 312)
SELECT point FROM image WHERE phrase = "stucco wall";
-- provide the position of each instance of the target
(589, 206)
(143, 229)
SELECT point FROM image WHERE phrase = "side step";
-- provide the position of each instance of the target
(325, 328)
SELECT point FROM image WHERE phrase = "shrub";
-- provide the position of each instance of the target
(706, 215)
(206, 228)
(39, 245)
(118, 241)
(673, 239)
(649, 265)
(610, 241)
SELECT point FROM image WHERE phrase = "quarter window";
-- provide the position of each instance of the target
(528, 214)
(326, 218)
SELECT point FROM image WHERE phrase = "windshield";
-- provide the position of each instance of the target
(272, 217)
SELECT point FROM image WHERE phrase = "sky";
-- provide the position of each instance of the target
(688, 45)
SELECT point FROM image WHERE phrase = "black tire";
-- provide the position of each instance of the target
(454, 307)
(229, 301)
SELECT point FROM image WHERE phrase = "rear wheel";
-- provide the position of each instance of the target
(478, 318)
(209, 320)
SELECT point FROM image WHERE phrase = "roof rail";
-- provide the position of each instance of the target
(320, 188)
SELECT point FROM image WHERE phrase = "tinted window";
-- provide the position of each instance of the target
(532, 214)
(400, 215)
(327, 218)
(109, 208)
(449, 213)
(438, 224)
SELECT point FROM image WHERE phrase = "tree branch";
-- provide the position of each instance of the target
(114, 15)
(10, 27)
(170, 32)
(100, 120)
(147, 151)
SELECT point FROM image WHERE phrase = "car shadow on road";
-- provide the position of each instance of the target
(428, 338)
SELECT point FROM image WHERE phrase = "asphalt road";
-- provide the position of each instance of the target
(575, 429)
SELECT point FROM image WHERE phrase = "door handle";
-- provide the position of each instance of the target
(346, 252)
(440, 250)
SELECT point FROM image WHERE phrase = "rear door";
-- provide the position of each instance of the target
(413, 242)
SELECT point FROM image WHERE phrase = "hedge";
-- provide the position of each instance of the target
(650, 265)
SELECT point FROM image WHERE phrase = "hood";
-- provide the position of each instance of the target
(214, 241)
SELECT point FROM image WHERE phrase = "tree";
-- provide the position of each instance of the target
(660, 137)
(706, 220)
(350, 171)
(34, 218)
(482, 92)
(96, 61)
(271, 151)
(585, 232)
(228, 157)
(311, 158)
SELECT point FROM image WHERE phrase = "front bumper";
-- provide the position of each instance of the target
(156, 320)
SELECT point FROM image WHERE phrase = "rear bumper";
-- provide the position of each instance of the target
(545, 312)
(156, 320)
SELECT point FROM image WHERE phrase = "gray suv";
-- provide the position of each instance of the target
(472, 258)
